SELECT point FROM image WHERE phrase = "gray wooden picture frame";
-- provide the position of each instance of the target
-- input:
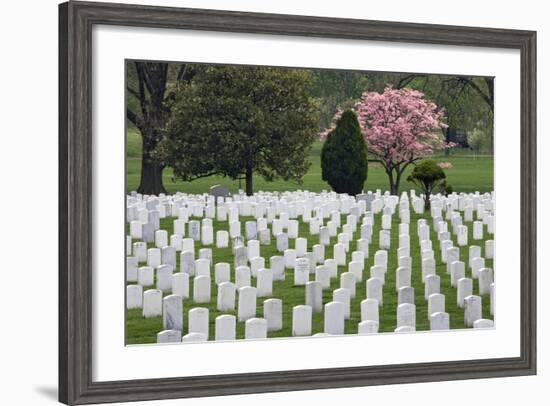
(76, 20)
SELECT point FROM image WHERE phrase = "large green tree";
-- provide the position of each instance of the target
(344, 156)
(239, 121)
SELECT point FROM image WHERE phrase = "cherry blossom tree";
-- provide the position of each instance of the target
(399, 127)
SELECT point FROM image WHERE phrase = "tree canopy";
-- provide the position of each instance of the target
(236, 121)
(428, 175)
(399, 128)
(344, 156)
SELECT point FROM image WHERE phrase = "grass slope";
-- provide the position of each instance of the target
(140, 330)
(468, 174)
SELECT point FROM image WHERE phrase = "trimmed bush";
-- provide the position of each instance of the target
(344, 156)
(429, 176)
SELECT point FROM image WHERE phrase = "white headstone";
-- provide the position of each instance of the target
(385, 239)
(187, 262)
(369, 310)
(301, 320)
(474, 251)
(140, 251)
(161, 238)
(432, 285)
(169, 336)
(376, 271)
(402, 277)
(201, 289)
(464, 288)
(367, 327)
(194, 338)
(453, 254)
(134, 296)
(247, 303)
(322, 275)
(146, 276)
(153, 257)
(489, 249)
(483, 323)
(195, 230)
(348, 281)
(202, 267)
(277, 265)
(222, 239)
(406, 315)
(301, 271)
(428, 267)
(334, 318)
(439, 321)
(164, 277)
(226, 297)
(290, 258)
(282, 242)
(485, 281)
(240, 256)
(222, 271)
(405, 294)
(472, 310)
(198, 320)
(374, 289)
(172, 313)
(180, 284)
(343, 295)
(477, 265)
(436, 304)
(255, 328)
(152, 303)
(356, 268)
(273, 313)
(253, 249)
(314, 296)
(381, 259)
(264, 282)
(242, 277)
(332, 266)
(131, 269)
(226, 326)
(478, 230)
(339, 253)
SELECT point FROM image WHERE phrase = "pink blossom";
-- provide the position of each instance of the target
(445, 165)
(399, 126)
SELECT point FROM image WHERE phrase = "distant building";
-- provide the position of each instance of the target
(458, 136)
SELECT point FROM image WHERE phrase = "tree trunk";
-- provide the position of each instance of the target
(447, 140)
(427, 201)
(151, 178)
(394, 184)
(151, 171)
(152, 117)
(248, 181)
(394, 189)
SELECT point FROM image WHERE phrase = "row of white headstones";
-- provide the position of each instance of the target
(248, 262)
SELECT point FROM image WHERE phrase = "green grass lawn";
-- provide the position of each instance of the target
(140, 330)
(467, 174)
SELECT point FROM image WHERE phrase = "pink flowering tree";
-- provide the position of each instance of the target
(399, 126)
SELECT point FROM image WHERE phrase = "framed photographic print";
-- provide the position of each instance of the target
(259, 202)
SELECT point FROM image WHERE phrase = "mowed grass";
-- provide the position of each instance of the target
(141, 330)
(467, 174)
